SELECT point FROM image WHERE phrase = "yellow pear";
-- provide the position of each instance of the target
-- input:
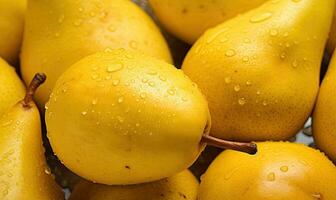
(59, 33)
(11, 88)
(178, 187)
(280, 170)
(11, 28)
(260, 71)
(324, 118)
(188, 19)
(332, 36)
(23, 170)
(125, 118)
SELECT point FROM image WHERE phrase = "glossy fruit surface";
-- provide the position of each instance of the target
(131, 118)
(59, 33)
(278, 171)
(260, 71)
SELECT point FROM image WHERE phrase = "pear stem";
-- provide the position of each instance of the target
(250, 148)
(38, 79)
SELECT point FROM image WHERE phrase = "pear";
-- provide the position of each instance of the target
(280, 170)
(260, 71)
(121, 117)
(59, 33)
(178, 187)
(332, 37)
(324, 120)
(11, 87)
(23, 170)
(11, 28)
(189, 19)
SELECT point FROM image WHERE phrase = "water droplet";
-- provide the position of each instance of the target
(317, 196)
(108, 77)
(264, 103)
(152, 72)
(47, 171)
(95, 68)
(271, 176)
(295, 64)
(215, 35)
(94, 101)
(230, 53)
(120, 119)
(162, 78)
(120, 99)
(114, 68)
(224, 39)
(78, 22)
(61, 19)
(241, 101)
(283, 55)
(245, 59)
(284, 168)
(92, 14)
(247, 41)
(184, 99)
(144, 80)
(273, 32)
(133, 44)
(57, 34)
(151, 83)
(261, 17)
(112, 28)
(143, 95)
(137, 124)
(7, 122)
(115, 82)
(236, 88)
(227, 80)
(94, 76)
(171, 92)
(108, 50)
(248, 83)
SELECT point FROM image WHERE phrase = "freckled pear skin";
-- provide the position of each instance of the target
(125, 118)
(280, 170)
(11, 28)
(189, 19)
(11, 87)
(178, 187)
(61, 32)
(22, 163)
(260, 71)
(324, 120)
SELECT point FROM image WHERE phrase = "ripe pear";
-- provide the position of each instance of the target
(11, 28)
(178, 187)
(23, 170)
(260, 71)
(11, 87)
(324, 120)
(280, 170)
(332, 36)
(131, 118)
(189, 19)
(59, 33)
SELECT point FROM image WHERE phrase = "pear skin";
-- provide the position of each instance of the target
(23, 170)
(324, 120)
(146, 119)
(59, 33)
(11, 28)
(260, 71)
(178, 187)
(280, 170)
(332, 36)
(11, 87)
(189, 19)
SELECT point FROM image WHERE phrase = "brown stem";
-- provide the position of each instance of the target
(38, 79)
(250, 148)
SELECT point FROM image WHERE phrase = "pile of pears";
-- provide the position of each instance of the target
(94, 83)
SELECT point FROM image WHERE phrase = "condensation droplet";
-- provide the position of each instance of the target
(151, 83)
(120, 99)
(171, 92)
(230, 53)
(94, 101)
(273, 32)
(112, 28)
(133, 44)
(271, 176)
(245, 59)
(114, 68)
(84, 113)
(261, 17)
(236, 88)
(241, 101)
(61, 19)
(295, 64)
(162, 78)
(143, 95)
(284, 168)
(115, 82)
(227, 80)
(248, 83)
